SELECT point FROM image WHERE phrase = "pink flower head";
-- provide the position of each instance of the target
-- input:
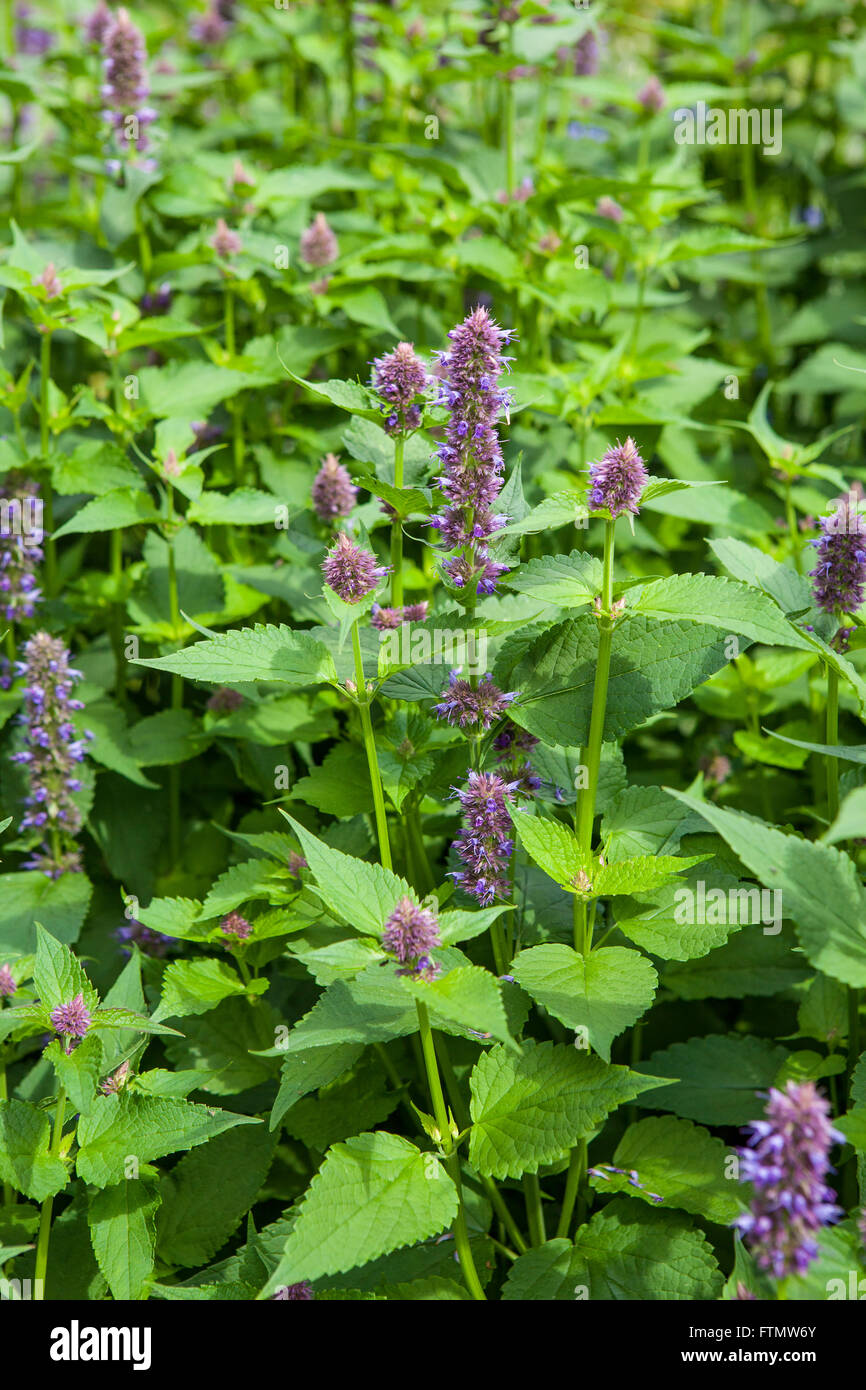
(609, 208)
(652, 95)
(49, 282)
(350, 571)
(224, 241)
(319, 246)
(410, 934)
(333, 493)
(7, 983)
(233, 924)
(71, 1020)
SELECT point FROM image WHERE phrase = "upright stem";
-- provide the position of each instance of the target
(45, 1218)
(176, 694)
(534, 1210)
(238, 448)
(452, 1158)
(370, 746)
(576, 1176)
(349, 59)
(590, 755)
(509, 136)
(831, 739)
(44, 445)
(397, 528)
(8, 1189)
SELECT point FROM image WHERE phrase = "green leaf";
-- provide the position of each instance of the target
(246, 506)
(820, 887)
(641, 874)
(551, 845)
(755, 962)
(528, 1110)
(362, 894)
(116, 510)
(78, 1071)
(373, 1194)
(792, 591)
(469, 997)
(197, 986)
(128, 1127)
(122, 1231)
(255, 879)
(570, 581)
(599, 997)
(57, 975)
(717, 1078)
(654, 665)
(853, 1126)
(678, 1161)
(25, 1162)
(261, 653)
(626, 1252)
(205, 1196)
(642, 820)
(850, 823)
(303, 1072)
(28, 897)
(722, 603)
(354, 1103)
(823, 1013)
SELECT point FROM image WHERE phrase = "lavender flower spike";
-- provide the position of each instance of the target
(126, 86)
(787, 1163)
(618, 480)
(53, 751)
(471, 455)
(840, 573)
(350, 571)
(485, 842)
(224, 241)
(410, 934)
(333, 493)
(7, 982)
(19, 552)
(398, 378)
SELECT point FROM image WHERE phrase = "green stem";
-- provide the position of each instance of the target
(45, 1218)
(590, 755)
(415, 835)
(576, 1175)
(363, 700)
(8, 1189)
(509, 136)
(238, 445)
(176, 695)
(397, 528)
(452, 1158)
(349, 59)
(832, 738)
(44, 447)
(534, 1211)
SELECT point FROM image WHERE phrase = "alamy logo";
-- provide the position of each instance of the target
(739, 125)
(76, 1343)
(743, 907)
(405, 646)
(22, 517)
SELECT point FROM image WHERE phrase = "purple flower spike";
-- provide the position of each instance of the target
(398, 378)
(652, 95)
(53, 749)
(350, 571)
(7, 983)
(71, 1020)
(471, 455)
(126, 86)
(333, 493)
(787, 1163)
(20, 553)
(302, 1293)
(319, 246)
(485, 842)
(840, 573)
(97, 24)
(618, 480)
(410, 934)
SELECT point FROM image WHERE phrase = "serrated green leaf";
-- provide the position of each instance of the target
(602, 995)
(122, 1222)
(717, 1078)
(678, 1161)
(25, 1161)
(261, 653)
(373, 1194)
(528, 1110)
(206, 1195)
(129, 1127)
